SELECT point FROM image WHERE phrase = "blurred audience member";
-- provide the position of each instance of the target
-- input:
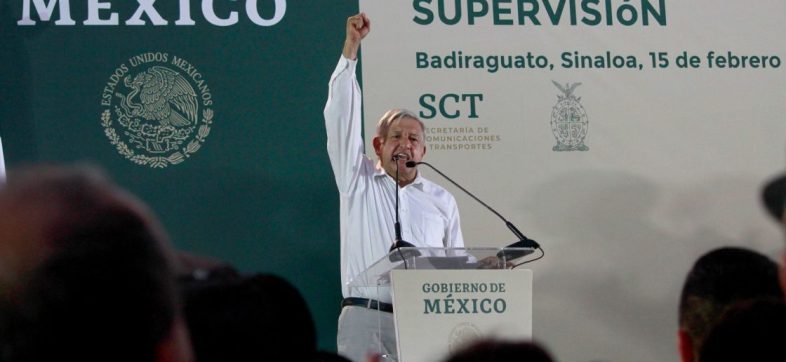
(196, 269)
(718, 280)
(323, 356)
(86, 272)
(253, 318)
(751, 331)
(501, 351)
(774, 196)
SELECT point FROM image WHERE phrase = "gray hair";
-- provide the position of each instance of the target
(393, 115)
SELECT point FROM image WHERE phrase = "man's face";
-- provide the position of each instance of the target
(404, 138)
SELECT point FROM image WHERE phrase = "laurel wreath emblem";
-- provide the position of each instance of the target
(158, 161)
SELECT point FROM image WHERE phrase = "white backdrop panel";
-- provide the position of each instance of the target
(675, 160)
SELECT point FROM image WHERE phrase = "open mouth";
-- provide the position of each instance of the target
(401, 156)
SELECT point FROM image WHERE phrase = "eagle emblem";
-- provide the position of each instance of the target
(569, 122)
(462, 335)
(158, 111)
(159, 121)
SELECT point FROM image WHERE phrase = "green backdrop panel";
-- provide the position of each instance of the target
(258, 192)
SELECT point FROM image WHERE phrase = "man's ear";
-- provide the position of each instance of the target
(685, 345)
(377, 142)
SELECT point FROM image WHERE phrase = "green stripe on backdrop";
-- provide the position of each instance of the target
(258, 190)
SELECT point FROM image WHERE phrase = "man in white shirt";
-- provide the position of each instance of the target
(428, 213)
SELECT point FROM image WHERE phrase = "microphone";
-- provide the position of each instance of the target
(524, 242)
(397, 224)
(398, 244)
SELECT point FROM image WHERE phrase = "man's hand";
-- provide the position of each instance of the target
(492, 262)
(358, 27)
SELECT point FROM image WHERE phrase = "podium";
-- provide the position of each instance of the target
(444, 298)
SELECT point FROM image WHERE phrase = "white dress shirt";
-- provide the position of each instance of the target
(428, 212)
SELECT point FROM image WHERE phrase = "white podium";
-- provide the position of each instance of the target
(444, 298)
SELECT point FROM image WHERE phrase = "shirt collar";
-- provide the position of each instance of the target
(419, 181)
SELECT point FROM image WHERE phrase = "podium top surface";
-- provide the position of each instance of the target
(483, 258)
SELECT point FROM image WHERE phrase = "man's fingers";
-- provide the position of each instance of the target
(358, 21)
(366, 22)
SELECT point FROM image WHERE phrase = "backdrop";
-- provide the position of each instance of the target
(627, 137)
(252, 183)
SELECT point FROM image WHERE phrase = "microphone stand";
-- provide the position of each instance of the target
(397, 224)
(524, 242)
(399, 243)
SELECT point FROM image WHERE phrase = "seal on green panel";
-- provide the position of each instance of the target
(156, 109)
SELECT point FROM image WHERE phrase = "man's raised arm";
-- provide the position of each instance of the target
(342, 111)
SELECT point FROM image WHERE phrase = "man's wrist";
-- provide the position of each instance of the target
(351, 50)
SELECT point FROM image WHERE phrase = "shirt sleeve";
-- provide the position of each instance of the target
(343, 125)
(453, 231)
